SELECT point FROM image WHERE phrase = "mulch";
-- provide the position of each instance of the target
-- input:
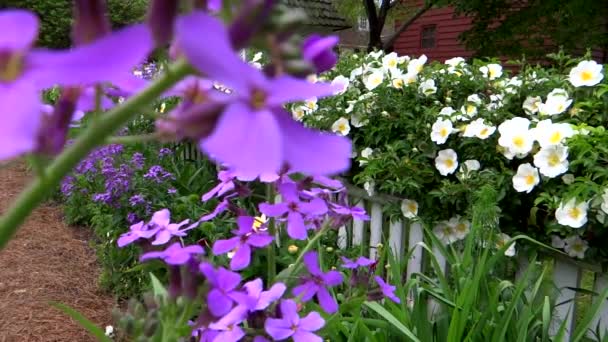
(47, 261)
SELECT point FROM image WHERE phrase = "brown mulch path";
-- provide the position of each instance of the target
(46, 261)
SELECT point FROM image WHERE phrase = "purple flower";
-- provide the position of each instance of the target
(136, 232)
(254, 134)
(220, 208)
(175, 254)
(295, 209)
(256, 298)
(318, 51)
(131, 218)
(228, 326)
(316, 283)
(25, 71)
(226, 184)
(223, 286)
(157, 174)
(360, 262)
(246, 238)
(136, 200)
(354, 212)
(291, 325)
(172, 191)
(161, 221)
(387, 290)
(67, 186)
(163, 152)
(103, 197)
(138, 160)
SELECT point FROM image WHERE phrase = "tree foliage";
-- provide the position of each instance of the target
(56, 17)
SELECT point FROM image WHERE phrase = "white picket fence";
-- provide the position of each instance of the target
(406, 235)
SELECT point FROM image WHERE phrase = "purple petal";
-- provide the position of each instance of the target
(248, 142)
(87, 101)
(162, 237)
(296, 229)
(19, 30)
(326, 301)
(311, 151)
(245, 224)
(209, 273)
(273, 210)
(347, 263)
(233, 334)
(235, 316)
(315, 207)
(254, 287)
(225, 246)
(211, 193)
(100, 61)
(151, 255)
(328, 182)
(178, 258)
(363, 261)
(21, 121)
(161, 217)
(273, 294)
(289, 191)
(241, 258)
(260, 339)
(286, 89)
(289, 311)
(305, 336)
(305, 291)
(218, 209)
(259, 240)
(278, 329)
(332, 278)
(127, 239)
(220, 63)
(311, 260)
(227, 280)
(219, 304)
(311, 322)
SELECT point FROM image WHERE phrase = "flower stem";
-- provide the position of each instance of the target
(94, 135)
(296, 265)
(132, 139)
(272, 265)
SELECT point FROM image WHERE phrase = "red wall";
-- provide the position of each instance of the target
(448, 28)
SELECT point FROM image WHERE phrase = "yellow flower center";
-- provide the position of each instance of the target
(586, 75)
(575, 213)
(470, 109)
(398, 83)
(530, 179)
(11, 66)
(518, 141)
(560, 107)
(258, 99)
(419, 68)
(553, 160)
(392, 63)
(443, 132)
(577, 247)
(492, 73)
(555, 138)
(412, 207)
(484, 131)
(461, 227)
(449, 163)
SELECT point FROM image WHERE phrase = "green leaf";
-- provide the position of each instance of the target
(84, 322)
(380, 310)
(157, 287)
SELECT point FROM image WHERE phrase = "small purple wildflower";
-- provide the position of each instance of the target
(226, 184)
(157, 174)
(316, 283)
(163, 152)
(138, 160)
(291, 325)
(136, 200)
(360, 262)
(103, 197)
(387, 290)
(295, 209)
(224, 284)
(258, 299)
(161, 220)
(67, 186)
(172, 191)
(175, 254)
(132, 218)
(136, 231)
(246, 238)
(228, 326)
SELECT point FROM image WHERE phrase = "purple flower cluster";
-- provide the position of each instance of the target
(138, 160)
(157, 174)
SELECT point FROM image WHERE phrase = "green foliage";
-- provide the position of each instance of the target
(56, 17)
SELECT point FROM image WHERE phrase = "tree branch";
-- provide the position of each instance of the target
(391, 41)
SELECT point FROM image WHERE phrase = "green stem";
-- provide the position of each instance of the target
(272, 264)
(132, 139)
(92, 136)
(296, 265)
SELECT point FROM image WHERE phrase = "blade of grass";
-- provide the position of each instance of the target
(84, 322)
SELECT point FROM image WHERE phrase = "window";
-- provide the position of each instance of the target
(427, 37)
(363, 24)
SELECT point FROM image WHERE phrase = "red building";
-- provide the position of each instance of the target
(435, 34)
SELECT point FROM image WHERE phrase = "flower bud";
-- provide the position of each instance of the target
(292, 249)
(55, 125)
(329, 249)
(319, 52)
(90, 21)
(161, 19)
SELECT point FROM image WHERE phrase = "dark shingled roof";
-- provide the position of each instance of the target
(321, 12)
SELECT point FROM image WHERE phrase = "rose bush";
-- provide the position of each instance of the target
(433, 133)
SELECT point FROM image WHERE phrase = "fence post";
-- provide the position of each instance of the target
(375, 231)
(565, 274)
(396, 238)
(414, 263)
(358, 227)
